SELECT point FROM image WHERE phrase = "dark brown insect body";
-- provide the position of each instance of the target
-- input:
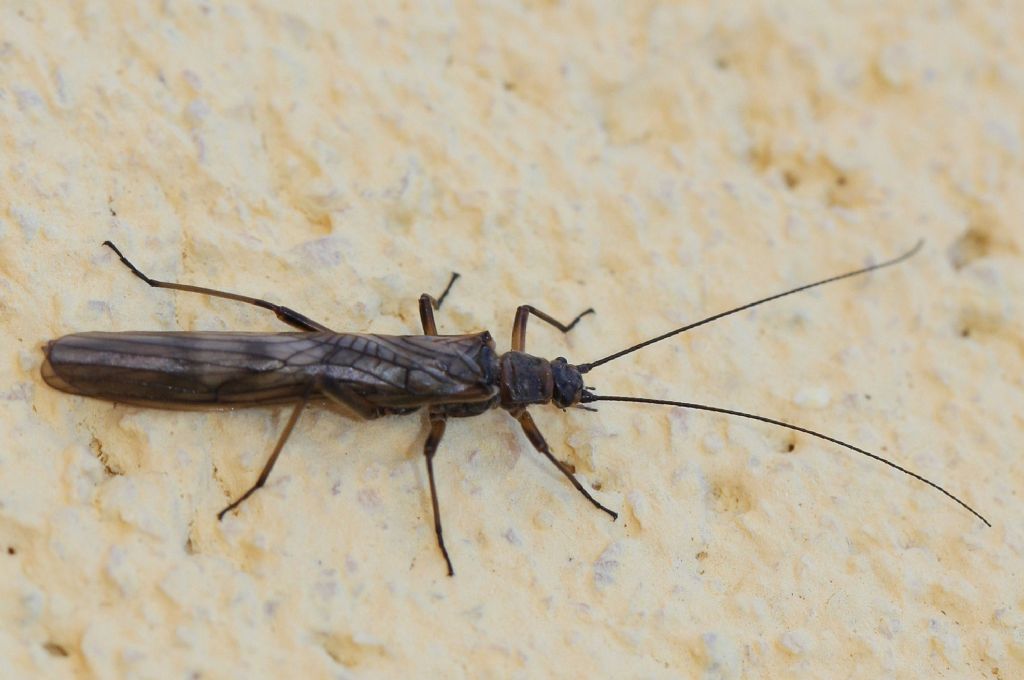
(366, 375)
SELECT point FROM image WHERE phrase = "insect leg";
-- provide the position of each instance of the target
(523, 315)
(437, 420)
(428, 304)
(537, 439)
(289, 316)
(437, 426)
(273, 456)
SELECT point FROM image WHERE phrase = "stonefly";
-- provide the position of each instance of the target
(367, 375)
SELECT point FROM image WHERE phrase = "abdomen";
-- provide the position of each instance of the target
(183, 369)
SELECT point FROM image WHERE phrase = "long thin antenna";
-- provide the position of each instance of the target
(589, 398)
(583, 368)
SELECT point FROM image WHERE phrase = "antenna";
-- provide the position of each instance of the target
(589, 397)
(584, 368)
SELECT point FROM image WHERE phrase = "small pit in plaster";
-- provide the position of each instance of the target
(54, 649)
(974, 321)
(979, 241)
(973, 244)
(103, 457)
(731, 497)
(815, 175)
(349, 650)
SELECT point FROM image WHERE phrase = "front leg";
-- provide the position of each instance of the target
(537, 439)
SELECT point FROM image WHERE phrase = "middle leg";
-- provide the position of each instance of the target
(428, 303)
(437, 427)
(523, 315)
(437, 420)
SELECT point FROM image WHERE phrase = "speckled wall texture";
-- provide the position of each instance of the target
(657, 161)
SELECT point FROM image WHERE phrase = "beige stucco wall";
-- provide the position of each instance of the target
(659, 163)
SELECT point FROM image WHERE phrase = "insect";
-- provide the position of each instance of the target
(368, 376)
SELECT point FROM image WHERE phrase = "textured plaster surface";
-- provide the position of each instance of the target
(659, 162)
